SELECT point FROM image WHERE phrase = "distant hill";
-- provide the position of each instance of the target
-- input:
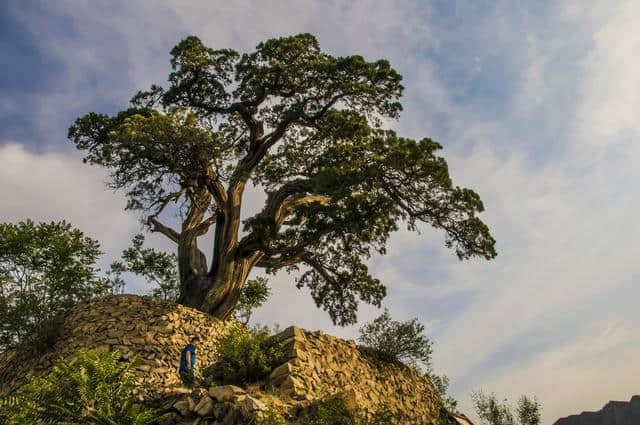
(613, 413)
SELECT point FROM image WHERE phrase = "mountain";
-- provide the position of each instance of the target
(613, 413)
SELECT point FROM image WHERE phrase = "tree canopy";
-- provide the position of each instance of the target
(305, 126)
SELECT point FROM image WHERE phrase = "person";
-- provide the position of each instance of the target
(188, 362)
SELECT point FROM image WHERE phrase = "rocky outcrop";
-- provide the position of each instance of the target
(322, 365)
(613, 413)
(318, 366)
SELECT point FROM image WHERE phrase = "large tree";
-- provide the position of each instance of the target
(307, 127)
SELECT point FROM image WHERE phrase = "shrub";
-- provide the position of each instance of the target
(393, 340)
(335, 411)
(92, 390)
(244, 356)
(272, 417)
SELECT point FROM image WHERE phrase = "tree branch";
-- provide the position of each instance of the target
(156, 226)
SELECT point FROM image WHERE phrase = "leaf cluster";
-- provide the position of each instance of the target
(91, 390)
(244, 356)
(45, 269)
(392, 340)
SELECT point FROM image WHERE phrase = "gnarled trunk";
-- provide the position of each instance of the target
(215, 291)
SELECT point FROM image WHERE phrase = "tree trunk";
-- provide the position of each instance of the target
(215, 292)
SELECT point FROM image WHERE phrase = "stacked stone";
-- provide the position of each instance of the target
(321, 366)
(227, 404)
(133, 325)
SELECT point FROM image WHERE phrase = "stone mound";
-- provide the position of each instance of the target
(319, 366)
(130, 324)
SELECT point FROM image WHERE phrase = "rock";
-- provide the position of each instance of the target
(283, 369)
(251, 404)
(204, 406)
(182, 406)
(225, 392)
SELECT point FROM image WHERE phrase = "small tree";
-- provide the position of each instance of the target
(253, 295)
(394, 340)
(493, 412)
(158, 268)
(45, 269)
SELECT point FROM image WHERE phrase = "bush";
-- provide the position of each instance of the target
(272, 417)
(92, 390)
(244, 356)
(335, 411)
(392, 340)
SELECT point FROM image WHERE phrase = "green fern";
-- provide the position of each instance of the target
(93, 390)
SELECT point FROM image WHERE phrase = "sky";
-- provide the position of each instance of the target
(535, 104)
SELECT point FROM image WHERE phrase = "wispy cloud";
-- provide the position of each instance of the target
(536, 108)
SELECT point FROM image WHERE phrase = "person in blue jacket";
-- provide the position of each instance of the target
(188, 361)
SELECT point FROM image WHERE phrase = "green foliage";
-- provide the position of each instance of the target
(45, 269)
(91, 390)
(335, 411)
(493, 412)
(253, 295)
(306, 126)
(441, 383)
(529, 411)
(272, 417)
(158, 268)
(393, 340)
(244, 357)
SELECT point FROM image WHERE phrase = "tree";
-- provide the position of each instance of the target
(307, 127)
(158, 268)
(493, 412)
(45, 269)
(161, 269)
(528, 410)
(252, 295)
(394, 340)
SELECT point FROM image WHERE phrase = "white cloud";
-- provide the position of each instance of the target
(53, 187)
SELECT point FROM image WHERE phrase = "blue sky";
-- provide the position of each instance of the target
(535, 105)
